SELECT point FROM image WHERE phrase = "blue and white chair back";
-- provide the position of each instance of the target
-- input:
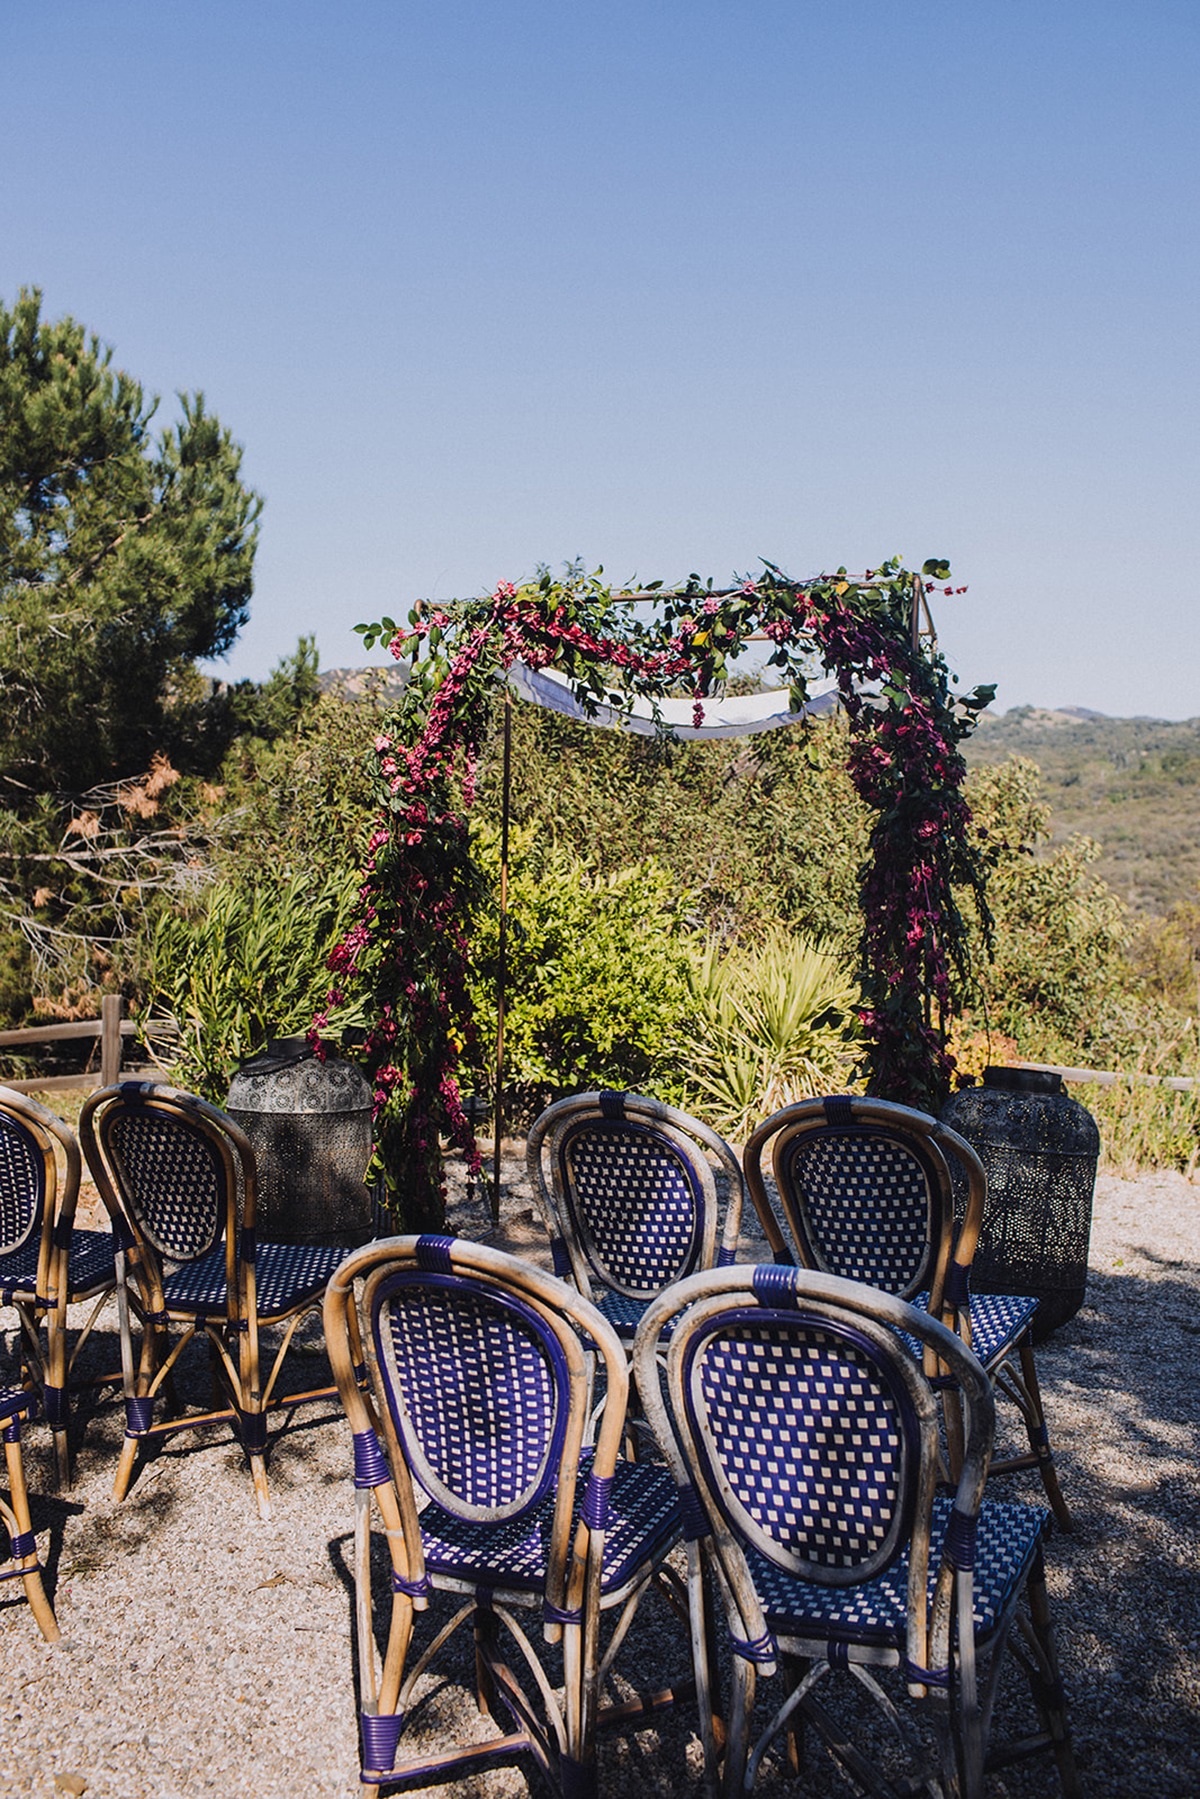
(175, 1167)
(477, 1387)
(26, 1176)
(808, 1431)
(628, 1189)
(864, 1188)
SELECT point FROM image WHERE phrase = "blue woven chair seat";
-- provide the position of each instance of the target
(14, 1401)
(18, 1269)
(998, 1322)
(91, 1260)
(91, 1264)
(643, 1518)
(286, 1274)
(1007, 1540)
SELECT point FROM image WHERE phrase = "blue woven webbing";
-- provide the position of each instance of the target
(415, 1589)
(370, 1463)
(433, 1254)
(774, 1284)
(594, 1510)
(958, 1284)
(762, 1649)
(380, 1739)
(139, 1416)
(691, 1512)
(960, 1540)
(838, 1109)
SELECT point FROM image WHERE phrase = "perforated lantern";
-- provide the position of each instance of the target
(1039, 1149)
(310, 1125)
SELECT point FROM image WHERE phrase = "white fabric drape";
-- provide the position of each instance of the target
(726, 716)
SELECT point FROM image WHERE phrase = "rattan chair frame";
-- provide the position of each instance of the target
(950, 1671)
(943, 1269)
(47, 1368)
(565, 1210)
(559, 1737)
(22, 1563)
(233, 1325)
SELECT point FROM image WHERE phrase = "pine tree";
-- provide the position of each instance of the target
(123, 559)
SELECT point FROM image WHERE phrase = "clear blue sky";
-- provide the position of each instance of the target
(665, 284)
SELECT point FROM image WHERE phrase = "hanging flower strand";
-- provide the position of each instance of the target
(408, 952)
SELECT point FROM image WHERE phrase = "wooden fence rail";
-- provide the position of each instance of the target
(110, 1028)
(1107, 1077)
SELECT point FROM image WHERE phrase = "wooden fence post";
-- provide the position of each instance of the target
(110, 1039)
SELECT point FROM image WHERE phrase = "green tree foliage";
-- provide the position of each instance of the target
(1061, 933)
(755, 829)
(123, 558)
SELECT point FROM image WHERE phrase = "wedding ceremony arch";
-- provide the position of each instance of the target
(654, 658)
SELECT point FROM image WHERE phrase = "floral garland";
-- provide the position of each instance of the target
(408, 952)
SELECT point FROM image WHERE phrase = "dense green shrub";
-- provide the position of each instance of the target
(597, 985)
(248, 963)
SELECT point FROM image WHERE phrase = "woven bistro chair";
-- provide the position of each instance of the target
(46, 1264)
(178, 1178)
(16, 1408)
(805, 1440)
(627, 1189)
(469, 1454)
(865, 1190)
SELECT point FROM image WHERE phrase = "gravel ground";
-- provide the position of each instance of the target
(206, 1652)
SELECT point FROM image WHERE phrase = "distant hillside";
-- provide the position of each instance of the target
(1131, 783)
(389, 683)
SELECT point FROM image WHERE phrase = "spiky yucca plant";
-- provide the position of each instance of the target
(774, 1025)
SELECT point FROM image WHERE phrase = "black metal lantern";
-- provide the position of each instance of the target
(310, 1124)
(1039, 1149)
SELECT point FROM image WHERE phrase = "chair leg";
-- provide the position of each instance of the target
(55, 1396)
(1048, 1689)
(126, 1466)
(258, 1468)
(737, 1745)
(1039, 1436)
(485, 1637)
(20, 1527)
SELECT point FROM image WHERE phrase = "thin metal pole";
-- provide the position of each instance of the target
(918, 596)
(502, 963)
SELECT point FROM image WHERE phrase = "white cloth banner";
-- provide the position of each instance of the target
(727, 716)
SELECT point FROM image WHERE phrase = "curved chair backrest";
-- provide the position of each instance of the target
(26, 1173)
(33, 1194)
(808, 1435)
(481, 1374)
(629, 1193)
(866, 1192)
(174, 1168)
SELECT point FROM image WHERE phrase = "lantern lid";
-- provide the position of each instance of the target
(279, 1053)
(1024, 1080)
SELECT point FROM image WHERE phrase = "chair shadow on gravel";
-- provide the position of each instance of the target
(1124, 1583)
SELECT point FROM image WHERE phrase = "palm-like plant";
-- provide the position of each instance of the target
(774, 1024)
